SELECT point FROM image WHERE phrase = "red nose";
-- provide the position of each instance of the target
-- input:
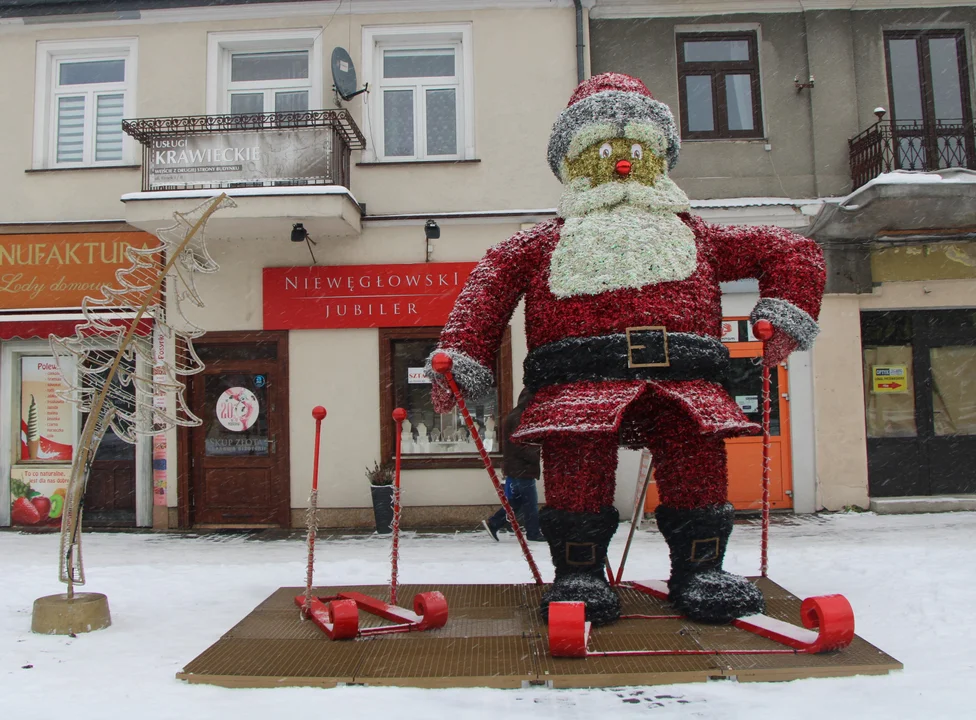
(623, 167)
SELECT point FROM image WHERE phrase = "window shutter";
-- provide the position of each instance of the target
(108, 127)
(71, 129)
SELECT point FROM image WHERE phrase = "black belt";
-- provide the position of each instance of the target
(639, 353)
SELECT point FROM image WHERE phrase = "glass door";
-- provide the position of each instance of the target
(928, 88)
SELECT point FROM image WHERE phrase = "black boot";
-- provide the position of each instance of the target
(578, 543)
(698, 587)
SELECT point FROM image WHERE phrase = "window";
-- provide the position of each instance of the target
(420, 103)
(264, 72)
(83, 90)
(430, 439)
(718, 85)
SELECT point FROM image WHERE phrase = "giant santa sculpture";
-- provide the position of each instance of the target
(623, 321)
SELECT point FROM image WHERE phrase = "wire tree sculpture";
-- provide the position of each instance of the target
(108, 365)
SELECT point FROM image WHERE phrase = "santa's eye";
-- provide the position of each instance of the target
(636, 151)
(605, 150)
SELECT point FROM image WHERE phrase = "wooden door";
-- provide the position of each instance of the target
(110, 495)
(238, 457)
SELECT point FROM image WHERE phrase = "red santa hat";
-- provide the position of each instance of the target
(608, 106)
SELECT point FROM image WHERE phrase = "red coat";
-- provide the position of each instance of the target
(788, 266)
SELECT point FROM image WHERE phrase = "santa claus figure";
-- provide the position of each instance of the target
(623, 320)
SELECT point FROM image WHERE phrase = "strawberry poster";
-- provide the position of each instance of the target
(37, 495)
(47, 422)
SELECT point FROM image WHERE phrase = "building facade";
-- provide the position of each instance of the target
(358, 216)
(825, 105)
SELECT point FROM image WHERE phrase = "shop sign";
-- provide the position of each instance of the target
(747, 403)
(730, 331)
(37, 495)
(889, 379)
(59, 271)
(361, 296)
(415, 376)
(47, 427)
(303, 154)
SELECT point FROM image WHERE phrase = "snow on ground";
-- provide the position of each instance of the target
(910, 578)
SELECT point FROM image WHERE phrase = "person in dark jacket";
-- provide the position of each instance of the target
(520, 465)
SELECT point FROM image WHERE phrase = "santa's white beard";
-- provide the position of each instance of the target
(621, 235)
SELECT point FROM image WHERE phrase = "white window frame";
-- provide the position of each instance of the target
(50, 54)
(221, 45)
(376, 39)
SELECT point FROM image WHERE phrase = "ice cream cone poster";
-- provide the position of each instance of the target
(47, 422)
(37, 495)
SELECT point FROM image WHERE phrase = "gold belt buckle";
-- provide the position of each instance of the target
(631, 347)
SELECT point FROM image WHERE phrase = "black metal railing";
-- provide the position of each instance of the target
(911, 145)
(343, 133)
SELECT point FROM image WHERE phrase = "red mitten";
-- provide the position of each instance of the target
(442, 397)
(778, 348)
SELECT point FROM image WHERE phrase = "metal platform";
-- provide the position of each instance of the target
(495, 638)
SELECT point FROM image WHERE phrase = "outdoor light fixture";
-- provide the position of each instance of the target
(298, 233)
(432, 231)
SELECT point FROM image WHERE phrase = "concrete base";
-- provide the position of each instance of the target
(59, 615)
(923, 504)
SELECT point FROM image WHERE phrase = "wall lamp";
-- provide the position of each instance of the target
(432, 231)
(300, 234)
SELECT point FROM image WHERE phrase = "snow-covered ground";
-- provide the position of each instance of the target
(911, 580)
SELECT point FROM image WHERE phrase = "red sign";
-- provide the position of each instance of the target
(361, 296)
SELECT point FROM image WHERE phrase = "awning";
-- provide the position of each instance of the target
(26, 327)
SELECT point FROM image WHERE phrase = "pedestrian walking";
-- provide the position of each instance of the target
(521, 467)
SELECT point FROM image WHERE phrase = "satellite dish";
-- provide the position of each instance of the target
(344, 75)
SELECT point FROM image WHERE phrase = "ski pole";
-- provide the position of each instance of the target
(442, 364)
(763, 330)
(638, 508)
(318, 412)
(399, 415)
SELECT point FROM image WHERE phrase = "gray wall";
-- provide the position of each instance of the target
(807, 130)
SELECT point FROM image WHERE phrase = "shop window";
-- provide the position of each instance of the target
(954, 390)
(420, 106)
(83, 90)
(264, 72)
(718, 85)
(432, 439)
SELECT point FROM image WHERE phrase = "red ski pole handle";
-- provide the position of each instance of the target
(319, 413)
(763, 329)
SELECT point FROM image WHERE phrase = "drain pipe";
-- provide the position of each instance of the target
(579, 40)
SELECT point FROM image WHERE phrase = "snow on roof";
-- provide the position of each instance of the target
(240, 192)
(914, 177)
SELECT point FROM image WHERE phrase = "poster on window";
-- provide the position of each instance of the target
(47, 422)
(37, 495)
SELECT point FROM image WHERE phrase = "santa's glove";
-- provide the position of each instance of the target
(473, 379)
(793, 329)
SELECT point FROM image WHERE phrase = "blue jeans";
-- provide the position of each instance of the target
(524, 499)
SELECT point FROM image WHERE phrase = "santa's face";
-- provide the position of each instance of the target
(621, 225)
(617, 160)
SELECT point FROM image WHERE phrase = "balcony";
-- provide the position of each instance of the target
(891, 145)
(281, 168)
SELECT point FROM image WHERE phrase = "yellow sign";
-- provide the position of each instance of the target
(889, 378)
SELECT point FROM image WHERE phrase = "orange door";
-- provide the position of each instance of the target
(745, 453)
